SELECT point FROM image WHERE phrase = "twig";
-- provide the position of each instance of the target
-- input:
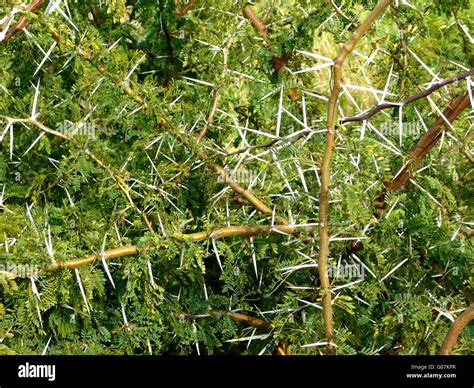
(185, 8)
(287, 139)
(210, 118)
(429, 140)
(249, 196)
(23, 21)
(468, 154)
(341, 13)
(267, 12)
(409, 100)
(325, 168)
(225, 68)
(456, 329)
(254, 201)
(251, 321)
(96, 16)
(255, 322)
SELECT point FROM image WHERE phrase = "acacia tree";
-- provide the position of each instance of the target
(288, 177)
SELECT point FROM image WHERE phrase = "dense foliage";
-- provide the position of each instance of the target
(131, 84)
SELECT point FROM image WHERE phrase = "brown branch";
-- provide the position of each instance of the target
(409, 100)
(96, 15)
(429, 140)
(257, 23)
(456, 329)
(77, 263)
(228, 231)
(249, 196)
(279, 63)
(241, 231)
(126, 89)
(23, 21)
(255, 322)
(325, 168)
(185, 8)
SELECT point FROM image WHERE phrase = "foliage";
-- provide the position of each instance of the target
(142, 79)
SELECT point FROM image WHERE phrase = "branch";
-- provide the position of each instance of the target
(456, 329)
(126, 89)
(267, 12)
(341, 13)
(409, 100)
(257, 23)
(325, 168)
(255, 322)
(291, 139)
(242, 231)
(228, 231)
(77, 263)
(249, 196)
(23, 21)
(210, 118)
(279, 63)
(225, 68)
(116, 178)
(429, 140)
(185, 8)
(468, 154)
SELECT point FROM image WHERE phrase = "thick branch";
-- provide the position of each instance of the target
(77, 263)
(257, 23)
(325, 168)
(23, 21)
(429, 140)
(228, 231)
(409, 100)
(453, 333)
